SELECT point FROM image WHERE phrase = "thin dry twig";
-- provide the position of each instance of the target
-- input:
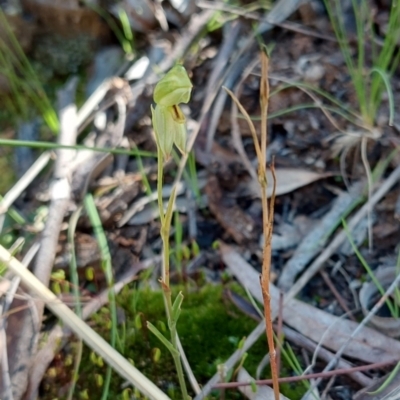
(322, 375)
(337, 295)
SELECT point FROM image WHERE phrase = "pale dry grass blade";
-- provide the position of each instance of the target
(58, 336)
(80, 328)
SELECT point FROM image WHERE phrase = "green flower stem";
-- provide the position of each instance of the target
(164, 232)
(178, 365)
(160, 168)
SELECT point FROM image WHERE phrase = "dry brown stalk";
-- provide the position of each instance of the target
(268, 220)
(268, 208)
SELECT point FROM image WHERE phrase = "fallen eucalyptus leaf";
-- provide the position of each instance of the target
(287, 180)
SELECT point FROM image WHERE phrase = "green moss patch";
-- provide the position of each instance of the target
(210, 329)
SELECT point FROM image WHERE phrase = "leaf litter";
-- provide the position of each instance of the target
(228, 208)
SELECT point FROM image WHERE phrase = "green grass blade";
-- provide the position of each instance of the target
(348, 112)
(126, 44)
(127, 30)
(76, 293)
(193, 175)
(73, 268)
(336, 16)
(53, 146)
(162, 339)
(107, 269)
(367, 267)
(385, 79)
(145, 181)
(387, 382)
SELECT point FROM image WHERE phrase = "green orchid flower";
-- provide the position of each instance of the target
(169, 122)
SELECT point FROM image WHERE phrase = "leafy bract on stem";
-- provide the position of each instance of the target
(169, 128)
(267, 207)
(107, 269)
